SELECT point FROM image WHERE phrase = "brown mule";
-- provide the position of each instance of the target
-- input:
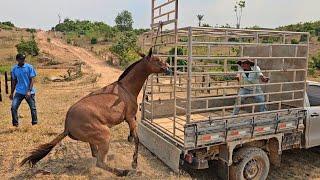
(90, 119)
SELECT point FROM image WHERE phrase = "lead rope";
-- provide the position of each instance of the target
(158, 32)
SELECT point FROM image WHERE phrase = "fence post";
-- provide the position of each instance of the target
(6, 82)
(0, 89)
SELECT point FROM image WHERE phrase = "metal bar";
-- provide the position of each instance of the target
(248, 30)
(152, 101)
(163, 23)
(164, 4)
(164, 14)
(243, 105)
(239, 43)
(244, 85)
(175, 66)
(247, 95)
(249, 114)
(234, 73)
(189, 86)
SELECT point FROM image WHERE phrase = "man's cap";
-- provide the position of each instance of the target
(248, 61)
(20, 56)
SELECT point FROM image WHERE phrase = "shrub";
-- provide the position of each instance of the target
(28, 47)
(68, 41)
(318, 38)
(49, 40)
(180, 62)
(8, 23)
(294, 41)
(316, 61)
(94, 40)
(31, 30)
(303, 38)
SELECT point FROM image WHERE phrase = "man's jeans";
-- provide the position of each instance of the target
(258, 99)
(17, 99)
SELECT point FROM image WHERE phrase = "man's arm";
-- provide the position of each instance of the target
(263, 78)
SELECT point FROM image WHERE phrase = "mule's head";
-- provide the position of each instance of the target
(155, 64)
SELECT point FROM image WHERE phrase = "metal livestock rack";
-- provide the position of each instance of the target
(203, 87)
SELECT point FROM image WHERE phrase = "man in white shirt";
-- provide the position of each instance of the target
(249, 73)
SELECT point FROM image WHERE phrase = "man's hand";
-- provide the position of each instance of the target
(11, 96)
(238, 77)
(28, 95)
(265, 79)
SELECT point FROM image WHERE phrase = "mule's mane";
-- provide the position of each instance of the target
(128, 70)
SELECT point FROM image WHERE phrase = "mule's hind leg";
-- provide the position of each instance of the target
(103, 148)
(94, 150)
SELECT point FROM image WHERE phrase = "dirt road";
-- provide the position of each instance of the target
(108, 74)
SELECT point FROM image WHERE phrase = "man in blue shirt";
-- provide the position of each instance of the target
(22, 76)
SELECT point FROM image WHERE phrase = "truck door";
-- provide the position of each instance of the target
(313, 115)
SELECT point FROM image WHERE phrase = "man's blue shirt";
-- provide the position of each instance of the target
(23, 75)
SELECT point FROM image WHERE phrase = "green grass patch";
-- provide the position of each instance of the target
(4, 68)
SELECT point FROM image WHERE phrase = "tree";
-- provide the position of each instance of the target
(125, 47)
(124, 21)
(200, 18)
(240, 5)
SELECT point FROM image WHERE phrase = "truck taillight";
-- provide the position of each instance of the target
(188, 158)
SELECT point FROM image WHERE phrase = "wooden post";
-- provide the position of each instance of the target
(0, 90)
(6, 82)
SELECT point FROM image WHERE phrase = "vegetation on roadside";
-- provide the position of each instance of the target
(312, 27)
(7, 25)
(121, 39)
(29, 47)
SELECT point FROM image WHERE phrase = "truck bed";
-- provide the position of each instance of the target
(203, 131)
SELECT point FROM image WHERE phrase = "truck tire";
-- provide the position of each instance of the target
(250, 163)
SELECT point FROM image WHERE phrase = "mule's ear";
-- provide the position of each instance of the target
(150, 52)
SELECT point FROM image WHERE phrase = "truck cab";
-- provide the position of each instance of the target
(312, 105)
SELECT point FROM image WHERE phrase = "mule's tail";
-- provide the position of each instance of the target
(43, 150)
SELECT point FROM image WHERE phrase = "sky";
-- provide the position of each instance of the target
(43, 14)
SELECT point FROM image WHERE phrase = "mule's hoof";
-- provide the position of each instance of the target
(134, 173)
(134, 165)
(130, 139)
(122, 173)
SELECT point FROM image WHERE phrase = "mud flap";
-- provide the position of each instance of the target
(167, 152)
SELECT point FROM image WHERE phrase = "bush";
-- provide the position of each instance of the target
(180, 62)
(31, 30)
(318, 38)
(315, 61)
(94, 40)
(28, 47)
(303, 38)
(8, 23)
(48, 40)
(68, 41)
(294, 41)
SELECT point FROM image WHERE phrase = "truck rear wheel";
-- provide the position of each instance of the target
(250, 163)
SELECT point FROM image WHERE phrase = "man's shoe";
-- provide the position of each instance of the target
(16, 125)
(34, 123)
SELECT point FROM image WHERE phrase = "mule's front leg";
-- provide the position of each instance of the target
(131, 136)
(133, 132)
